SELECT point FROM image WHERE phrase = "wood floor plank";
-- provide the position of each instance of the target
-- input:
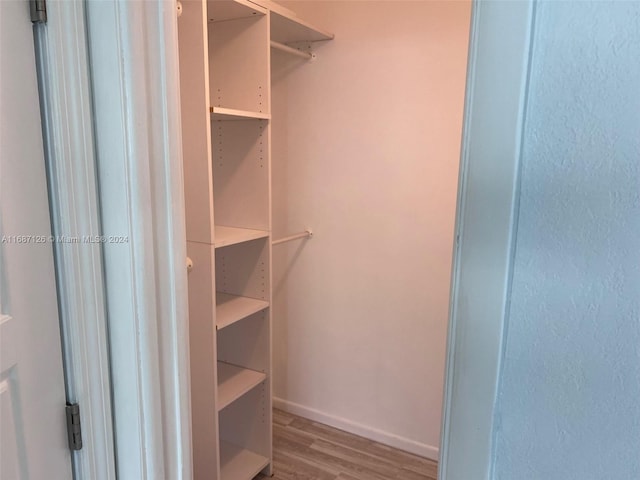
(331, 434)
(357, 457)
(296, 436)
(429, 472)
(407, 460)
(307, 450)
(343, 465)
(345, 476)
(281, 417)
(409, 475)
(293, 467)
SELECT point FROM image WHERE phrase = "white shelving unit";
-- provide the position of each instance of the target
(221, 10)
(238, 462)
(225, 59)
(287, 27)
(222, 114)
(233, 308)
(226, 236)
(234, 381)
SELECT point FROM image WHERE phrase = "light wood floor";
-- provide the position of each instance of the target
(305, 450)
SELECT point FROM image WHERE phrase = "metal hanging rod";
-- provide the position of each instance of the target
(291, 50)
(306, 234)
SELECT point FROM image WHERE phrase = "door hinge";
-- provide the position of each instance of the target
(74, 428)
(38, 11)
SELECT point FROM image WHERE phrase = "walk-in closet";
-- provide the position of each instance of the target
(320, 158)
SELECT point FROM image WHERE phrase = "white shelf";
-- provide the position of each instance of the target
(225, 236)
(231, 308)
(234, 381)
(238, 463)
(287, 27)
(290, 50)
(220, 10)
(220, 113)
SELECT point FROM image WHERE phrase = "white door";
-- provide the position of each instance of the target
(33, 439)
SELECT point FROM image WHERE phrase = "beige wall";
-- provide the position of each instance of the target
(366, 143)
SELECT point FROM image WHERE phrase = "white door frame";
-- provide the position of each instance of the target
(495, 109)
(61, 57)
(138, 149)
(133, 48)
(113, 146)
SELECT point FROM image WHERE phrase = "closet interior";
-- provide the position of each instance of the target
(287, 130)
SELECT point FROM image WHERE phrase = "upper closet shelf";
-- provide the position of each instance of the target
(220, 10)
(220, 113)
(225, 236)
(287, 27)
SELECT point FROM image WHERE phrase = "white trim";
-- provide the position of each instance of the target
(61, 49)
(134, 64)
(366, 431)
(487, 197)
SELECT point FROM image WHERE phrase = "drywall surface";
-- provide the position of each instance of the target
(568, 406)
(366, 142)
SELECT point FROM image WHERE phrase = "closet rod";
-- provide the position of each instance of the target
(306, 234)
(291, 50)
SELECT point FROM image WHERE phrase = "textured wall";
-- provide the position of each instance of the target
(569, 405)
(366, 147)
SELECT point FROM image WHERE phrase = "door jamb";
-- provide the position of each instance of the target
(495, 108)
(133, 47)
(67, 125)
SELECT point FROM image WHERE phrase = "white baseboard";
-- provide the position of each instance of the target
(386, 438)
